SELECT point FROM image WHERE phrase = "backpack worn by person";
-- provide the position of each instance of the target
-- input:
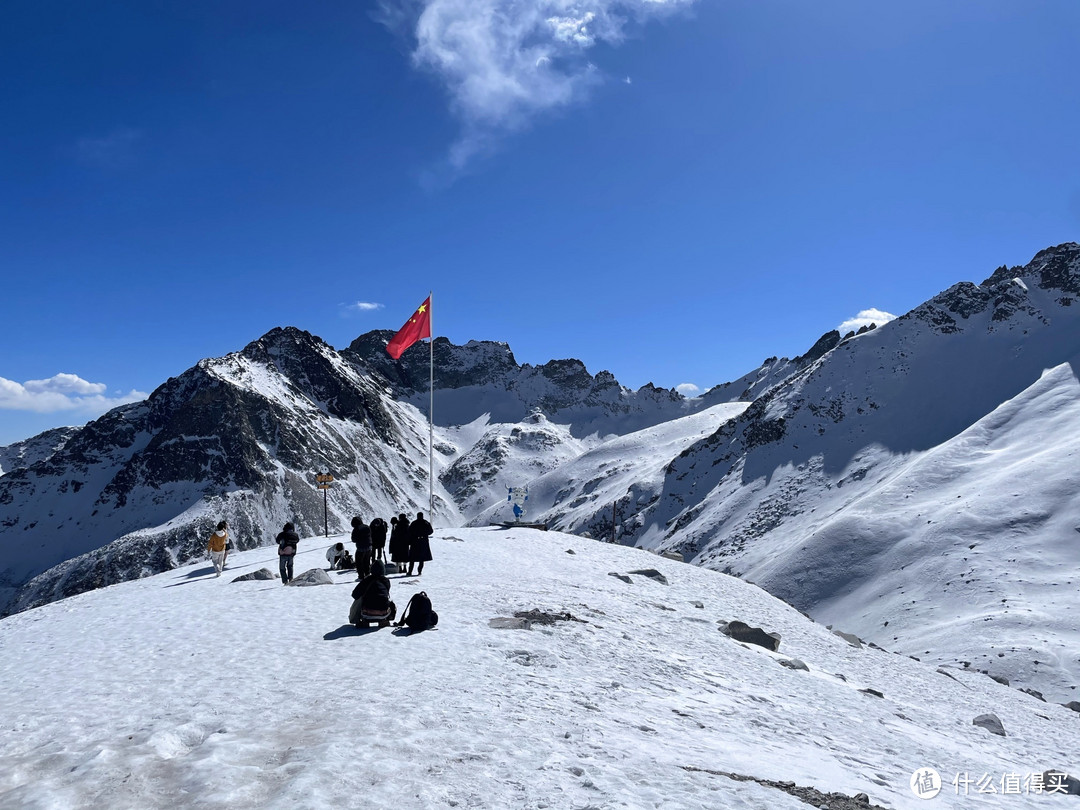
(418, 614)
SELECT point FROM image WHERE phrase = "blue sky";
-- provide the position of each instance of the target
(671, 191)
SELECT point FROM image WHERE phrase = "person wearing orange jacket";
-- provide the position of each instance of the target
(218, 547)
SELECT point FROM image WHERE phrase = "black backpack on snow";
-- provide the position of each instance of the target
(418, 613)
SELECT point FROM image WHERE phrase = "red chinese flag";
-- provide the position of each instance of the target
(417, 327)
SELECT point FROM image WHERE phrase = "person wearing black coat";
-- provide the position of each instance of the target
(287, 541)
(371, 597)
(361, 535)
(399, 541)
(419, 546)
(378, 539)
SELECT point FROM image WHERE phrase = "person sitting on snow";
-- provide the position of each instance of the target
(335, 555)
(371, 598)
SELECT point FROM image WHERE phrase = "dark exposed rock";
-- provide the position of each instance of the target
(1061, 783)
(1033, 692)
(873, 692)
(824, 344)
(262, 573)
(794, 663)
(1072, 704)
(811, 795)
(850, 638)
(545, 617)
(991, 723)
(313, 576)
(651, 573)
(623, 577)
(740, 631)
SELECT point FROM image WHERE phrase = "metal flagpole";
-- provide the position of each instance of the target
(431, 407)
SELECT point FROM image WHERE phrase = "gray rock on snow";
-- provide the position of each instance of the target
(1060, 782)
(651, 573)
(1072, 704)
(850, 638)
(991, 723)
(315, 576)
(262, 573)
(740, 631)
(794, 663)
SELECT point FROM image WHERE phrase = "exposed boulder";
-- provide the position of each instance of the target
(262, 573)
(740, 631)
(651, 573)
(1060, 782)
(850, 638)
(991, 723)
(315, 576)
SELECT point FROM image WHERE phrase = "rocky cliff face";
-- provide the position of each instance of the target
(31, 451)
(241, 438)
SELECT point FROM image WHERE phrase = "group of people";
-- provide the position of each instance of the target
(409, 544)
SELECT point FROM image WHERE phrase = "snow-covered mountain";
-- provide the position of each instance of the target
(37, 448)
(913, 482)
(917, 483)
(548, 682)
(242, 437)
(239, 437)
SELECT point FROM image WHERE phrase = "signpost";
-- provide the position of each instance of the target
(323, 482)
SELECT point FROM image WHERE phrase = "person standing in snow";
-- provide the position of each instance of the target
(378, 539)
(419, 546)
(399, 540)
(217, 547)
(361, 535)
(287, 541)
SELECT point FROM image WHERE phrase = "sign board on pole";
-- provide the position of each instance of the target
(324, 478)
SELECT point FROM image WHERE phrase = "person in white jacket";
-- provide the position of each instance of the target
(335, 555)
(218, 547)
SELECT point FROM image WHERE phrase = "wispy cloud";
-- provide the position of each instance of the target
(865, 318)
(64, 392)
(504, 62)
(688, 389)
(358, 307)
(115, 150)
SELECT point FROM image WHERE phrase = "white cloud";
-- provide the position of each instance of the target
(360, 306)
(504, 62)
(64, 392)
(865, 318)
(687, 389)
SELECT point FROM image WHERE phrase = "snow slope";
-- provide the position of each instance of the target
(187, 690)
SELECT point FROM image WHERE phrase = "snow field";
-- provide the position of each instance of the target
(188, 690)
